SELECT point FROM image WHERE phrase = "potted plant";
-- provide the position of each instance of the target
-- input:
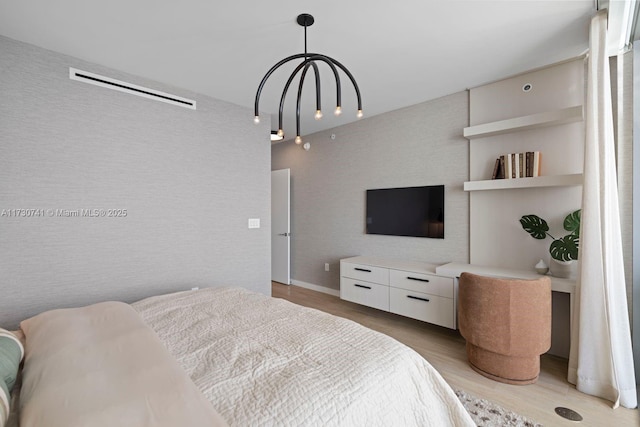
(563, 250)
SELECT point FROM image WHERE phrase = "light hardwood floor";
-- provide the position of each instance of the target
(445, 350)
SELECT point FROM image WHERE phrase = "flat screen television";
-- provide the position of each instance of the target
(410, 211)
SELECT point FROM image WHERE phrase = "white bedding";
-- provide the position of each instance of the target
(266, 361)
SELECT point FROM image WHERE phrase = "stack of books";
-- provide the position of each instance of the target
(517, 165)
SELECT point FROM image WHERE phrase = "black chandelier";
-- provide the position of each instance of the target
(310, 60)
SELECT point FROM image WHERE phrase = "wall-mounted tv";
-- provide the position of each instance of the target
(410, 211)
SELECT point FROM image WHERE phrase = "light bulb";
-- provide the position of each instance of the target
(338, 110)
(256, 119)
(318, 115)
(359, 114)
(280, 133)
(298, 140)
(306, 146)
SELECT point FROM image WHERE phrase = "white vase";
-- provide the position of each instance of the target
(564, 269)
(541, 267)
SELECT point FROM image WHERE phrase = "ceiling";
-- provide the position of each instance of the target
(401, 53)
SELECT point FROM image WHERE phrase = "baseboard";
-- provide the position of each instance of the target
(317, 288)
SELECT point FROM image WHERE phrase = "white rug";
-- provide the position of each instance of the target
(487, 414)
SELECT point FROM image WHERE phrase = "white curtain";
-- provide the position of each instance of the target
(601, 357)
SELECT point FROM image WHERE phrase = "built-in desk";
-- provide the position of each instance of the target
(454, 269)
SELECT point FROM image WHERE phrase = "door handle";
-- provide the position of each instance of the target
(284, 234)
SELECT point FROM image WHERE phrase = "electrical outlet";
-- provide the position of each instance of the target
(254, 222)
(195, 289)
(326, 266)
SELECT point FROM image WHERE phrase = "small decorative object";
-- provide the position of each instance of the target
(541, 267)
(564, 250)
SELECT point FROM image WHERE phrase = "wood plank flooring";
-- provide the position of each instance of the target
(445, 350)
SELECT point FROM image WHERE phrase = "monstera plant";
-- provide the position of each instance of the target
(563, 248)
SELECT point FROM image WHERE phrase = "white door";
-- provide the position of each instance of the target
(280, 231)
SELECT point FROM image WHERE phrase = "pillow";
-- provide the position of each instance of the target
(11, 353)
(102, 366)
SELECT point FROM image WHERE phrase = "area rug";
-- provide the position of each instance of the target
(487, 414)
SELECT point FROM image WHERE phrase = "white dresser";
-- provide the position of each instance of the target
(411, 289)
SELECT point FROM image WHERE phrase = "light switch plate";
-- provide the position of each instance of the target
(254, 222)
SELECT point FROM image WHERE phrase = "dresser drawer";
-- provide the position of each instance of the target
(365, 272)
(365, 293)
(421, 306)
(425, 283)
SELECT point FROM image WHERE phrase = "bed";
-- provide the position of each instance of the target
(222, 356)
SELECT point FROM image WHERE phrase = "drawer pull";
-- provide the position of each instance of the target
(362, 286)
(362, 269)
(418, 279)
(418, 298)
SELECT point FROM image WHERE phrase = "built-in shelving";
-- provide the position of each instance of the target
(533, 182)
(533, 121)
(504, 119)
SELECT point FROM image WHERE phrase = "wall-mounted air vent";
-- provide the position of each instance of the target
(109, 83)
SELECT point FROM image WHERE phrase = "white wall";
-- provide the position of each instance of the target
(414, 146)
(497, 238)
(189, 181)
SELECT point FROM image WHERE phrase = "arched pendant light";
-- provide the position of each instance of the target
(310, 60)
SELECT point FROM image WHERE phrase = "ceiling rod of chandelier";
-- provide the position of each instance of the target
(305, 20)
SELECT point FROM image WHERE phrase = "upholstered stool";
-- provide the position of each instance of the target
(507, 325)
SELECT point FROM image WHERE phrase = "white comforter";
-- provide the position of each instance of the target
(266, 361)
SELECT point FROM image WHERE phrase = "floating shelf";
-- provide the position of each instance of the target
(538, 181)
(540, 120)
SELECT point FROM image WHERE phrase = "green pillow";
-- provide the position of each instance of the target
(10, 358)
(11, 353)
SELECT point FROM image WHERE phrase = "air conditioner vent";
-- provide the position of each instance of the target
(109, 83)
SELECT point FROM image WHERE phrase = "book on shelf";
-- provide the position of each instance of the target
(496, 169)
(536, 163)
(521, 171)
(517, 165)
(514, 165)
